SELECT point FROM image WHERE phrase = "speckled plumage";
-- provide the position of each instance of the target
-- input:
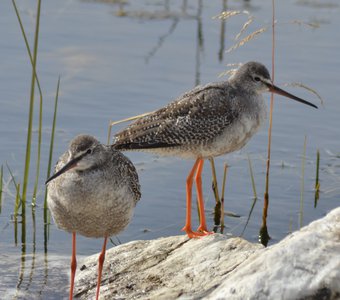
(97, 197)
(207, 121)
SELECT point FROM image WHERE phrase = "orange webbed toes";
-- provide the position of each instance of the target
(204, 230)
(192, 234)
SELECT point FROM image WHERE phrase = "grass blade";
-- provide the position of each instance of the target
(309, 89)
(109, 133)
(131, 118)
(31, 105)
(14, 182)
(17, 202)
(317, 183)
(40, 103)
(214, 182)
(302, 182)
(27, 47)
(249, 216)
(252, 177)
(15, 215)
(255, 195)
(34, 197)
(264, 235)
(247, 39)
(217, 209)
(222, 196)
(49, 167)
(112, 123)
(40, 94)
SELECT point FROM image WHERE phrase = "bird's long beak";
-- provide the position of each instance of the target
(277, 90)
(70, 165)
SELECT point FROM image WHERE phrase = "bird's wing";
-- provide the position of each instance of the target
(196, 116)
(127, 172)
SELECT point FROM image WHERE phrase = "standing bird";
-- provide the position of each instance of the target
(205, 122)
(93, 192)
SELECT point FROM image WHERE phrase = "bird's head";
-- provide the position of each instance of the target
(84, 152)
(254, 76)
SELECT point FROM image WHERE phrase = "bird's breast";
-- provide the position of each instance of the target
(93, 205)
(237, 134)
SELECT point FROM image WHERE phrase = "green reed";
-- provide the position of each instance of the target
(15, 215)
(17, 202)
(222, 195)
(254, 192)
(217, 209)
(46, 214)
(31, 105)
(54, 121)
(263, 234)
(15, 186)
(252, 177)
(317, 183)
(37, 172)
(214, 180)
(303, 163)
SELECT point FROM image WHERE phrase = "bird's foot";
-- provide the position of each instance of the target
(192, 234)
(204, 230)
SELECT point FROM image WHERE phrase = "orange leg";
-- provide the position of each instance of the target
(187, 228)
(100, 267)
(198, 179)
(73, 264)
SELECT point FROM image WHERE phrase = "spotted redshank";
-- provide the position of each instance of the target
(205, 122)
(93, 192)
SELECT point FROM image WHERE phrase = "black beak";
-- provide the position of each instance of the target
(71, 164)
(277, 90)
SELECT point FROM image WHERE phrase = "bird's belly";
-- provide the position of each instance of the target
(91, 211)
(233, 138)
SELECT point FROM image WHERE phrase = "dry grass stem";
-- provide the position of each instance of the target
(112, 123)
(247, 39)
(214, 180)
(131, 118)
(301, 85)
(233, 68)
(230, 13)
(245, 26)
(228, 73)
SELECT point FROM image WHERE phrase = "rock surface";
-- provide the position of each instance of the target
(305, 265)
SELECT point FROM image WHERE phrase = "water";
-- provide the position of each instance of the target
(117, 61)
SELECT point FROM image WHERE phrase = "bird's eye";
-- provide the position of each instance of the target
(89, 151)
(256, 78)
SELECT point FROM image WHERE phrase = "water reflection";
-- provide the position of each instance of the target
(161, 40)
(164, 11)
(222, 33)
